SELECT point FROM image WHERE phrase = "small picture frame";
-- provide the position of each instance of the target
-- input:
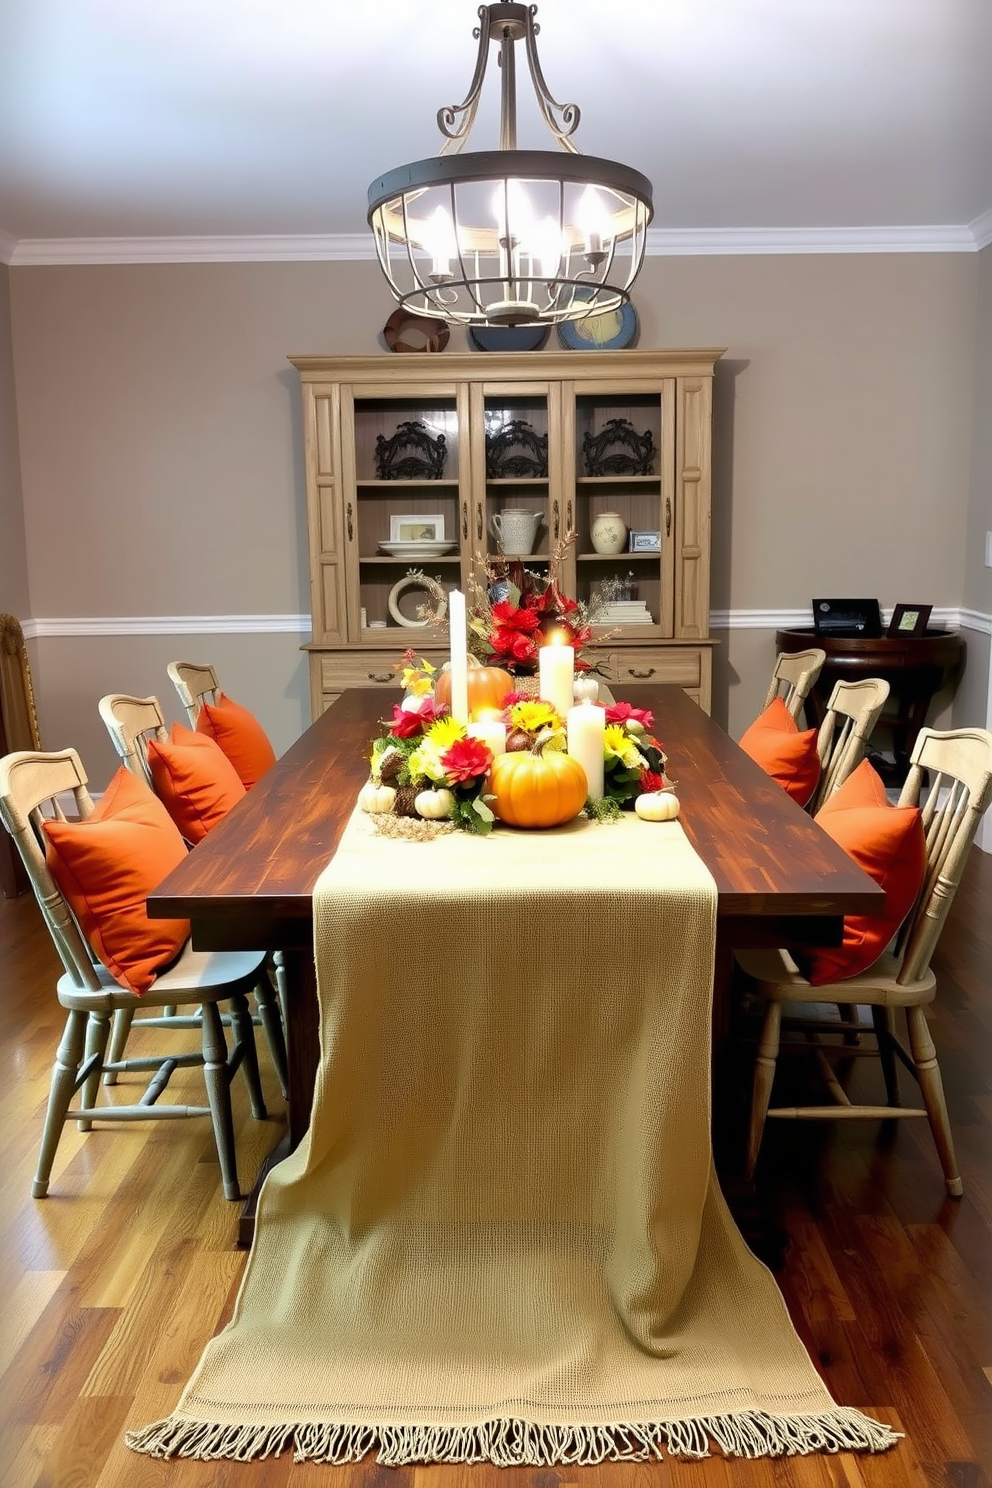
(644, 542)
(909, 620)
(413, 527)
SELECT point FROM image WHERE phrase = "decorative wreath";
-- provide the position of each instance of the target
(430, 614)
(403, 324)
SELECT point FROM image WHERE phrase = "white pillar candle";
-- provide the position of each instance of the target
(585, 728)
(557, 676)
(491, 731)
(458, 632)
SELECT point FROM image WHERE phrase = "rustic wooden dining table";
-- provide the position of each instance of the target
(248, 885)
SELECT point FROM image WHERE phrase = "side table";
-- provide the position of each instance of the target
(916, 668)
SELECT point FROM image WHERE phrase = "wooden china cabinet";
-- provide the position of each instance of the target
(445, 442)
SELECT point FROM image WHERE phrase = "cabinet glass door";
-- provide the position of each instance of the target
(403, 479)
(620, 463)
(518, 460)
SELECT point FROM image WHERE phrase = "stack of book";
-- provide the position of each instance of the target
(624, 612)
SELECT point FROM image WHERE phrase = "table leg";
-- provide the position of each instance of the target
(302, 1055)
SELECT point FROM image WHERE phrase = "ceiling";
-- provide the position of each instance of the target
(150, 119)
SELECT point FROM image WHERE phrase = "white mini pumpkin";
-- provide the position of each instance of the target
(657, 806)
(434, 805)
(376, 798)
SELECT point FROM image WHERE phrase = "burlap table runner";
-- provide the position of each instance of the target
(502, 1238)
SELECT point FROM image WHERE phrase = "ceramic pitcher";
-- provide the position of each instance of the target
(516, 530)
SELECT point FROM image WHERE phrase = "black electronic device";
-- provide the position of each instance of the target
(854, 619)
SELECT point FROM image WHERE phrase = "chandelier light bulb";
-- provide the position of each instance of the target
(437, 237)
(508, 236)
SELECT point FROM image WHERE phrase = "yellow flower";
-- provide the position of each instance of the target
(532, 716)
(445, 732)
(617, 745)
(426, 760)
(417, 677)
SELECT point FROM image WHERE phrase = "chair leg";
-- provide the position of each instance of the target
(67, 1061)
(764, 1076)
(884, 1020)
(218, 1083)
(123, 1018)
(97, 1034)
(849, 1014)
(932, 1088)
(244, 1039)
(271, 1016)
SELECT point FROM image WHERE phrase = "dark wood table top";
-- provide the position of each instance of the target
(249, 884)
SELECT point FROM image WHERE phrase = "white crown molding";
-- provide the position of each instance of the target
(8, 246)
(358, 247)
(143, 625)
(699, 242)
(344, 247)
(208, 625)
(981, 229)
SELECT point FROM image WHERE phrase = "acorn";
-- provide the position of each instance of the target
(516, 740)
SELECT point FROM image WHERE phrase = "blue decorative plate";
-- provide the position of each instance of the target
(508, 338)
(608, 331)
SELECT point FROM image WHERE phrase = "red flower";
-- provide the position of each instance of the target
(406, 723)
(507, 642)
(624, 713)
(508, 617)
(466, 760)
(650, 781)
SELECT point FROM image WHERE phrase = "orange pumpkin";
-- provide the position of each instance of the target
(537, 790)
(487, 687)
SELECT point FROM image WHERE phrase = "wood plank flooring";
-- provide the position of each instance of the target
(111, 1286)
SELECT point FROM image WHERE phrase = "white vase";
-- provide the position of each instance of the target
(609, 533)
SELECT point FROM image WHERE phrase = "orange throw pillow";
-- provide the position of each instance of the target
(888, 843)
(774, 741)
(105, 868)
(195, 780)
(241, 737)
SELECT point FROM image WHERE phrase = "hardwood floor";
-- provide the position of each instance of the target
(113, 1284)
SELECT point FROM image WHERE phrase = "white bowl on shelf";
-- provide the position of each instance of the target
(422, 550)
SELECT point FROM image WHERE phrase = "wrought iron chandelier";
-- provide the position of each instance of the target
(510, 237)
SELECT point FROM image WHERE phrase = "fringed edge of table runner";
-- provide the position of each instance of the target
(518, 1443)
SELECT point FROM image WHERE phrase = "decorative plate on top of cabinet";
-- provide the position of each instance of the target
(508, 338)
(609, 331)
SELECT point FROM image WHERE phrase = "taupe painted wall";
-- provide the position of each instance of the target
(13, 561)
(160, 442)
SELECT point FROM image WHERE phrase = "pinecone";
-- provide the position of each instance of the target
(390, 766)
(405, 797)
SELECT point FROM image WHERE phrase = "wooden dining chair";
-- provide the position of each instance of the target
(195, 685)
(793, 677)
(31, 785)
(852, 712)
(959, 764)
(18, 730)
(131, 723)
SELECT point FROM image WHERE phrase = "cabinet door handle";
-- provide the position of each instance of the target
(351, 527)
(380, 677)
(465, 520)
(641, 672)
(478, 524)
(668, 516)
(568, 517)
(554, 518)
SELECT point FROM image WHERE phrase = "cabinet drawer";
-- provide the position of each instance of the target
(343, 669)
(664, 664)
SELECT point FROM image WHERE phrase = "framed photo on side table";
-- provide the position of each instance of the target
(909, 620)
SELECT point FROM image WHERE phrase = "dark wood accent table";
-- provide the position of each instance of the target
(248, 886)
(915, 669)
